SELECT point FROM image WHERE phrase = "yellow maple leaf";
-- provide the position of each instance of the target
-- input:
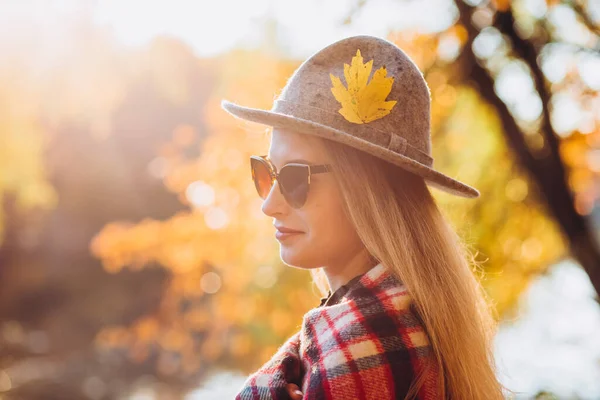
(363, 102)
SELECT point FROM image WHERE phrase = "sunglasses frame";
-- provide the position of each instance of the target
(312, 169)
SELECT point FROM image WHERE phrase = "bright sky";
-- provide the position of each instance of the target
(212, 27)
(300, 27)
(304, 26)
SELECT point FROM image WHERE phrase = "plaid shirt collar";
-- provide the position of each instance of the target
(333, 298)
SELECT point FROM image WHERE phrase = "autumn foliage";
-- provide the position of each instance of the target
(137, 169)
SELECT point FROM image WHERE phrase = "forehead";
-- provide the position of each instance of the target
(287, 145)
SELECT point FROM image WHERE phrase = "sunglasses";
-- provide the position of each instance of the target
(293, 178)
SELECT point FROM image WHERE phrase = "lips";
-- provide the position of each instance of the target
(284, 229)
(285, 235)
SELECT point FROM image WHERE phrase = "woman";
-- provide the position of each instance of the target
(346, 183)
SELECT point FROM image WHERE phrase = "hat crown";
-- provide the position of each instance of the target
(364, 92)
(308, 92)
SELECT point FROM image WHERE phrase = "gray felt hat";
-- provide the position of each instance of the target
(387, 115)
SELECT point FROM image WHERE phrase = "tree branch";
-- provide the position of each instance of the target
(546, 168)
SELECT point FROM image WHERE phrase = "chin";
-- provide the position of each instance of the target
(291, 257)
(288, 255)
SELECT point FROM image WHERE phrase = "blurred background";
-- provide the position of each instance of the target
(135, 262)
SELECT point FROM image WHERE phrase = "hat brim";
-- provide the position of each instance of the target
(274, 119)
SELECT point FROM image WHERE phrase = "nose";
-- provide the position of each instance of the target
(275, 202)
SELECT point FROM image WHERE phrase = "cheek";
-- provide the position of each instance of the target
(328, 221)
(329, 227)
(329, 233)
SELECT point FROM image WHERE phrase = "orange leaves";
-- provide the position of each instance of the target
(502, 5)
(281, 321)
(421, 48)
(146, 329)
(118, 244)
(22, 144)
(197, 319)
(427, 49)
(511, 233)
(459, 31)
(221, 249)
(581, 154)
(241, 344)
(211, 348)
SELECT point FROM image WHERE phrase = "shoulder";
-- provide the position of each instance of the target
(372, 341)
(372, 322)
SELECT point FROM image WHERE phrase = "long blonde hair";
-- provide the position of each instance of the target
(400, 225)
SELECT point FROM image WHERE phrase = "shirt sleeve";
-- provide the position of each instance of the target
(270, 380)
(366, 355)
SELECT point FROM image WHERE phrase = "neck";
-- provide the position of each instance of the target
(340, 274)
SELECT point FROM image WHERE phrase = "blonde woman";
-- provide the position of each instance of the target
(346, 183)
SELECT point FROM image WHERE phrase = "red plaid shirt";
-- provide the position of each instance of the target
(364, 341)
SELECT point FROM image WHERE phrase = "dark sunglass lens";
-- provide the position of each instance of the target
(261, 177)
(294, 183)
